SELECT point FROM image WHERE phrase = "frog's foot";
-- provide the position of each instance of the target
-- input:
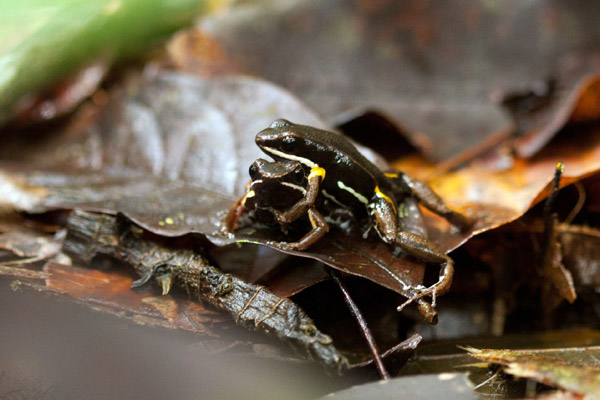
(425, 251)
(439, 288)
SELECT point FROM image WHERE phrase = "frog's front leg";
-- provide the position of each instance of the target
(426, 251)
(300, 208)
(431, 200)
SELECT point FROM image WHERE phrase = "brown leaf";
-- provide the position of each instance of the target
(558, 282)
(368, 258)
(28, 243)
(581, 105)
(173, 156)
(195, 52)
(110, 292)
(294, 276)
(427, 66)
(494, 197)
(569, 370)
(62, 98)
(113, 291)
(581, 254)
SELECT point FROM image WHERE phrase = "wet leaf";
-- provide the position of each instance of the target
(368, 258)
(425, 66)
(446, 356)
(172, 155)
(110, 292)
(576, 370)
(293, 276)
(173, 158)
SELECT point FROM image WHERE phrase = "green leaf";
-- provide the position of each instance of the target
(43, 40)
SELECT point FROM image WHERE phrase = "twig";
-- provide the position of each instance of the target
(251, 306)
(364, 329)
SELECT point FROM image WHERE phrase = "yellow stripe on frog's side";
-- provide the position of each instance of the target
(317, 171)
(384, 196)
(391, 174)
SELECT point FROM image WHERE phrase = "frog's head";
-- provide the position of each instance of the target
(277, 184)
(286, 141)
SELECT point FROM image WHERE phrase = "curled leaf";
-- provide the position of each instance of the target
(569, 370)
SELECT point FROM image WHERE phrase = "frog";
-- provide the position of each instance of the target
(279, 186)
(355, 183)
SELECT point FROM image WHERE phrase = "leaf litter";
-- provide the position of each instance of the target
(493, 197)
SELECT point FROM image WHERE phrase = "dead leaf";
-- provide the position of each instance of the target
(581, 253)
(30, 244)
(581, 105)
(110, 292)
(494, 197)
(557, 281)
(173, 156)
(426, 66)
(576, 370)
(62, 98)
(368, 258)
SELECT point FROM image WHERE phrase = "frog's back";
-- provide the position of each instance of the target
(336, 143)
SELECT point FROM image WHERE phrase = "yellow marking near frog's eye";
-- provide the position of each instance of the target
(317, 171)
(247, 196)
(384, 196)
(391, 174)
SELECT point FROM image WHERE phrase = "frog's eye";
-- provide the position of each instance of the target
(253, 171)
(298, 176)
(288, 144)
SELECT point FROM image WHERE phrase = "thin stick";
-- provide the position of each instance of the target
(362, 324)
(560, 167)
(550, 220)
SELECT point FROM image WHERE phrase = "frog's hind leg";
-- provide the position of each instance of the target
(425, 251)
(431, 200)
